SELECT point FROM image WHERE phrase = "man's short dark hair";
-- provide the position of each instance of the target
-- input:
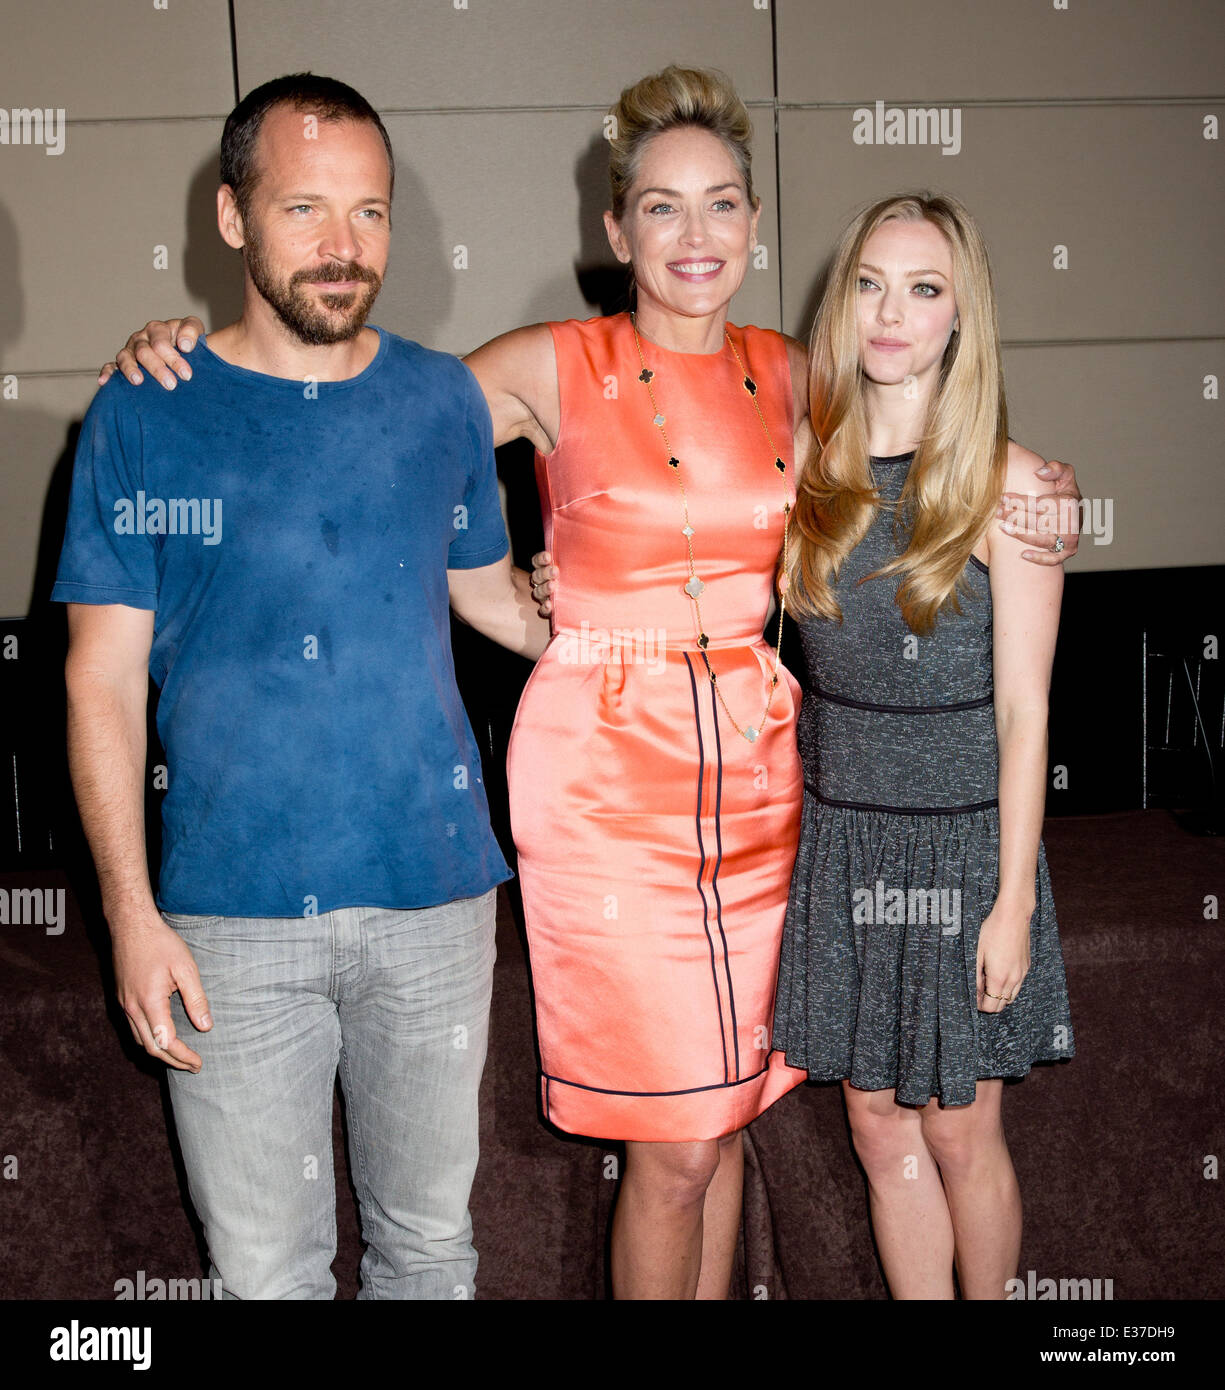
(303, 91)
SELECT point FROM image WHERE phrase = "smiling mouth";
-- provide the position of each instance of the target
(696, 269)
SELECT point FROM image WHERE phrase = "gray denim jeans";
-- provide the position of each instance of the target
(398, 1001)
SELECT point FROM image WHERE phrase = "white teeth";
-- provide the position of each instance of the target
(702, 268)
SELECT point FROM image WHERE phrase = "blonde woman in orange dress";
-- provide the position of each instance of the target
(654, 778)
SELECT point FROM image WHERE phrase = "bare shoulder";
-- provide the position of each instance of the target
(531, 344)
(517, 371)
(797, 356)
(797, 359)
(1019, 475)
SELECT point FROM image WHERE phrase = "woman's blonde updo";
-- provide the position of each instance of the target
(668, 100)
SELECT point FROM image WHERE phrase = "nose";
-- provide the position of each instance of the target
(889, 307)
(340, 241)
(693, 233)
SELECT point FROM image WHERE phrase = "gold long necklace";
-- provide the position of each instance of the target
(694, 588)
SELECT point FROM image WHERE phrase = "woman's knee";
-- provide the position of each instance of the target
(886, 1135)
(960, 1137)
(675, 1173)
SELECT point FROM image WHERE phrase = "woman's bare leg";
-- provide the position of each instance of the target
(658, 1232)
(981, 1188)
(721, 1219)
(910, 1214)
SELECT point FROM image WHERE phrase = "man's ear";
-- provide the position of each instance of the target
(229, 219)
(616, 239)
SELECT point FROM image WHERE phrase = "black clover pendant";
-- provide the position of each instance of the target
(780, 465)
(674, 463)
(646, 375)
(750, 385)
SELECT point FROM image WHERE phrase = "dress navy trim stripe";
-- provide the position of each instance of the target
(714, 969)
(714, 883)
(687, 1091)
(980, 703)
(904, 810)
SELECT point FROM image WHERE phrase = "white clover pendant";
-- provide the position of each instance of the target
(695, 587)
(751, 734)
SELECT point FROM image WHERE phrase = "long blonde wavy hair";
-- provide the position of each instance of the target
(955, 482)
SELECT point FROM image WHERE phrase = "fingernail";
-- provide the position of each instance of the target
(206, 1021)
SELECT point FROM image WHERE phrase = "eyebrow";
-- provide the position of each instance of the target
(676, 193)
(876, 270)
(323, 198)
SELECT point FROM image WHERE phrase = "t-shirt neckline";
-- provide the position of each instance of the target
(294, 384)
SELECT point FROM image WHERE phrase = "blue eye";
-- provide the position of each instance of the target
(726, 203)
(865, 283)
(656, 208)
(924, 285)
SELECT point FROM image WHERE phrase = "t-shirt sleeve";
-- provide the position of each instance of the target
(480, 532)
(105, 558)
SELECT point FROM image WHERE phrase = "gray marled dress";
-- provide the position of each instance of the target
(899, 850)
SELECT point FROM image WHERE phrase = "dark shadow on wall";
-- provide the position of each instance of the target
(211, 269)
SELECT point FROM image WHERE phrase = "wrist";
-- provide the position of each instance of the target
(131, 913)
(1015, 903)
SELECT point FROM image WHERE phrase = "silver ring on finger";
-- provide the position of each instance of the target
(1058, 544)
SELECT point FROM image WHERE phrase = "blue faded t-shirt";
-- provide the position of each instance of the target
(293, 540)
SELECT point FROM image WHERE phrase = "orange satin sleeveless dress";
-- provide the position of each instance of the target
(655, 842)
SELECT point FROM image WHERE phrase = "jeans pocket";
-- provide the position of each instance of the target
(181, 921)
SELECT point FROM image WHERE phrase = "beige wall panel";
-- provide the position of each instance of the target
(35, 442)
(524, 193)
(420, 54)
(77, 247)
(1134, 422)
(1136, 194)
(107, 58)
(998, 50)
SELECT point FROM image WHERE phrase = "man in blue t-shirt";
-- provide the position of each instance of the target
(277, 544)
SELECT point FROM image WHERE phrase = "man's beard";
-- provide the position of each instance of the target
(295, 305)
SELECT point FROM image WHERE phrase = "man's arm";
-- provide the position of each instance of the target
(497, 600)
(108, 681)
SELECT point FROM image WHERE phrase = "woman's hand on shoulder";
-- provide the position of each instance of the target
(1025, 600)
(1021, 483)
(156, 347)
(1040, 520)
(517, 371)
